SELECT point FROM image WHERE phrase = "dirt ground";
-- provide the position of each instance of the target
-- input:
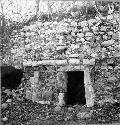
(25, 112)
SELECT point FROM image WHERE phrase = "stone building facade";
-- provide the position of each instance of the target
(59, 81)
(52, 49)
(101, 81)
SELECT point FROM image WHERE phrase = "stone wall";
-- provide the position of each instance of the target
(102, 81)
(107, 80)
(94, 38)
(43, 85)
(53, 81)
(73, 42)
(89, 39)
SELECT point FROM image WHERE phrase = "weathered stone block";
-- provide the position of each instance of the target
(108, 43)
(89, 62)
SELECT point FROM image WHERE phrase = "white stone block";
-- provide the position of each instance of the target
(108, 43)
(89, 62)
(80, 35)
(84, 23)
(74, 61)
(61, 99)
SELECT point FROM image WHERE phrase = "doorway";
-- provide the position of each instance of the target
(75, 88)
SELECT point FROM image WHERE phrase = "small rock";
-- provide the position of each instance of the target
(89, 34)
(73, 33)
(94, 55)
(78, 40)
(102, 32)
(88, 38)
(115, 36)
(112, 78)
(105, 37)
(94, 28)
(4, 119)
(73, 23)
(91, 21)
(82, 40)
(57, 108)
(110, 67)
(98, 37)
(70, 109)
(19, 99)
(9, 100)
(89, 62)
(4, 105)
(69, 117)
(110, 33)
(81, 115)
(85, 29)
(109, 17)
(69, 20)
(84, 24)
(107, 43)
(74, 55)
(80, 35)
(8, 92)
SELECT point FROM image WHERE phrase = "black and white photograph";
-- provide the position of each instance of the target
(60, 62)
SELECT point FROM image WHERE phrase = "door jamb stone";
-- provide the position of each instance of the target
(89, 91)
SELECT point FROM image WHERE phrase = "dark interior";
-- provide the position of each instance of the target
(11, 77)
(75, 88)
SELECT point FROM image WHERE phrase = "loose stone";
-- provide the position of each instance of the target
(109, 17)
(82, 40)
(4, 105)
(80, 35)
(108, 43)
(85, 29)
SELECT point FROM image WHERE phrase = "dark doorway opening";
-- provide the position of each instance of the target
(75, 88)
